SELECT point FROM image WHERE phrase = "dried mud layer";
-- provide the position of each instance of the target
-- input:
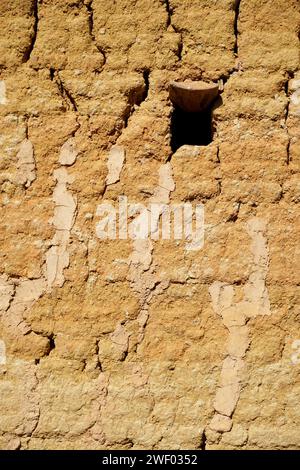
(145, 344)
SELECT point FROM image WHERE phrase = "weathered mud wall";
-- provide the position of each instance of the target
(142, 343)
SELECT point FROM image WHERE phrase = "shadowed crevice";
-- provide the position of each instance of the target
(146, 75)
(236, 20)
(290, 76)
(136, 98)
(65, 94)
(90, 11)
(203, 442)
(169, 12)
(35, 13)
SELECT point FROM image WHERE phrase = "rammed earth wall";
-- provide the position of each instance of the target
(118, 344)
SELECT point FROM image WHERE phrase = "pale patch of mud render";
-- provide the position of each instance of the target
(234, 317)
(149, 236)
(64, 216)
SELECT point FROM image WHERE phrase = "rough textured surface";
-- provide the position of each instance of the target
(117, 344)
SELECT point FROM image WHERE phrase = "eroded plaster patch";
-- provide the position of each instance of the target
(115, 161)
(16, 297)
(234, 316)
(165, 185)
(144, 280)
(57, 258)
(120, 338)
(6, 292)
(27, 291)
(294, 88)
(2, 353)
(68, 152)
(3, 98)
(26, 164)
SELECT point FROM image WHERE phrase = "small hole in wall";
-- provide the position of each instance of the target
(191, 128)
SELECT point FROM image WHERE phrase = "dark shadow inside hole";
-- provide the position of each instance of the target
(191, 128)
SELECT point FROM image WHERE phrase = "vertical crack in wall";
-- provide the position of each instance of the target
(286, 125)
(52, 73)
(117, 153)
(146, 75)
(26, 126)
(169, 12)
(35, 14)
(236, 31)
(290, 76)
(203, 441)
(235, 317)
(180, 47)
(135, 101)
(90, 11)
(169, 24)
(116, 156)
(233, 217)
(64, 92)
